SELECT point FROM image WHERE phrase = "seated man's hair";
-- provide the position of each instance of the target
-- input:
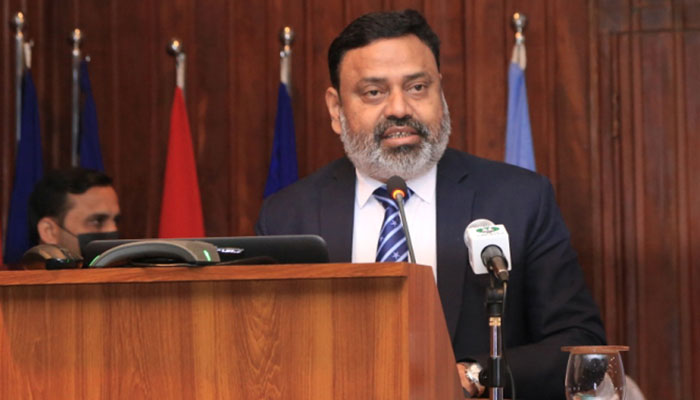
(380, 25)
(50, 195)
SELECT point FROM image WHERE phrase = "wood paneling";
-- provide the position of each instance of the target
(255, 332)
(613, 99)
(485, 63)
(690, 256)
(648, 124)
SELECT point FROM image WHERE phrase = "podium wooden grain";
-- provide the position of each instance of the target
(330, 331)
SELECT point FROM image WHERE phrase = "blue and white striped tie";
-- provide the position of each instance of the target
(392, 246)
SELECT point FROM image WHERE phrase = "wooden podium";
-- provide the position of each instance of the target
(324, 331)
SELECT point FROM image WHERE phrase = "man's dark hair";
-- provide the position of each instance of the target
(50, 195)
(380, 25)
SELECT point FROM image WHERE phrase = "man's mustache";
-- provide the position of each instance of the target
(392, 121)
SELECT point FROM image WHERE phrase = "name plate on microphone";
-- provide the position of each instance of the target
(477, 238)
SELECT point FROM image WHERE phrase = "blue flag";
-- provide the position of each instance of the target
(519, 149)
(89, 147)
(283, 165)
(28, 171)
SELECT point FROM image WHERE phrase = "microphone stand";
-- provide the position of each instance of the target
(495, 296)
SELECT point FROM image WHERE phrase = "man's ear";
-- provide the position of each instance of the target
(333, 104)
(48, 230)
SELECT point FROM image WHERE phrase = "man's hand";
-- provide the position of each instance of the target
(470, 386)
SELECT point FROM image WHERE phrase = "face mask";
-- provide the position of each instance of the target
(85, 238)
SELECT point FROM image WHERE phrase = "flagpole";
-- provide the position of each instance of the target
(175, 49)
(283, 163)
(286, 40)
(181, 184)
(17, 24)
(76, 39)
(28, 164)
(519, 23)
(519, 144)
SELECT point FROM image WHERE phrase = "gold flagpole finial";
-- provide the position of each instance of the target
(519, 23)
(175, 49)
(286, 39)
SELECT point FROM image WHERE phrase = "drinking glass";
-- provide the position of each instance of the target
(595, 373)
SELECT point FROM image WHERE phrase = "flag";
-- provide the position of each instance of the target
(28, 171)
(89, 147)
(519, 149)
(181, 209)
(283, 163)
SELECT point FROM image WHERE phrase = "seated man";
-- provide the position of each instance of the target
(386, 102)
(72, 207)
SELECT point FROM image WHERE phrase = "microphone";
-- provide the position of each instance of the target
(489, 248)
(492, 256)
(397, 189)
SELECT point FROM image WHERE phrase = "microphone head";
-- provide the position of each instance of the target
(396, 186)
(480, 234)
(478, 223)
(491, 251)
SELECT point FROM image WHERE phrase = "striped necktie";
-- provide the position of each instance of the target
(392, 246)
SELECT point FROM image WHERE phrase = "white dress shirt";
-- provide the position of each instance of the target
(420, 213)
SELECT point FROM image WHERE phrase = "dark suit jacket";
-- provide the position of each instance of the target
(547, 305)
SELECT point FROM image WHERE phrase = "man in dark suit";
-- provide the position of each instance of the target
(386, 103)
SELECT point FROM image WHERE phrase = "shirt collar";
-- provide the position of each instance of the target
(423, 186)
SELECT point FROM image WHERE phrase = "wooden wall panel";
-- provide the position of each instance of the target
(403, 4)
(322, 24)
(654, 14)
(647, 119)
(623, 208)
(656, 191)
(613, 15)
(613, 101)
(251, 107)
(137, 53)
(690, 257)
(690, 14)
(452, 33)
(485, 63)
(210, 80)
(53, 73)
(569, 129)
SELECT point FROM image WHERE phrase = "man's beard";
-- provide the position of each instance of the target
(407, 161)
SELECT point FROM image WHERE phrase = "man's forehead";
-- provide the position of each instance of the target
(406, 55)
(97, 199)
(407, 77)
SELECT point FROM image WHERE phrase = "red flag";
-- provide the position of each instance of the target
(181, 212)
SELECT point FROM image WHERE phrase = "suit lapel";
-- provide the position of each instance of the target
(455, 198)
(337, 211)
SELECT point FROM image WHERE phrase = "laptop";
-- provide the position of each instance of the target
(274, 249)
